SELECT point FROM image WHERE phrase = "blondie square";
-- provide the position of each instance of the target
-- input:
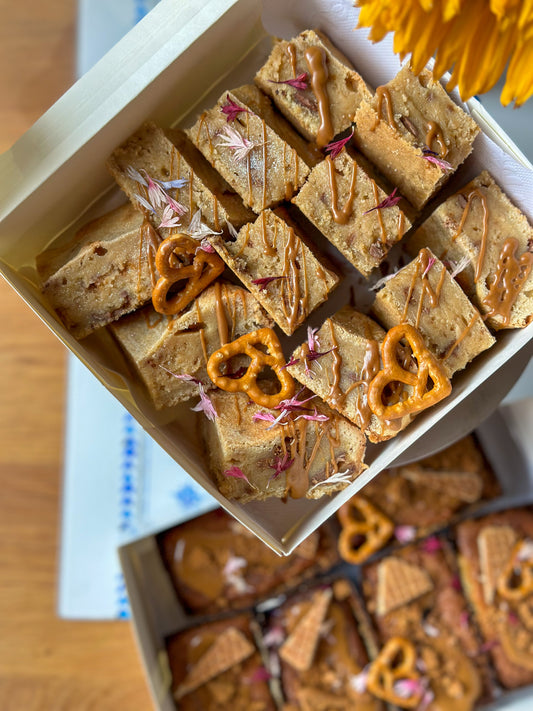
(304, 450)
(279, 265)
(99, 276)
(480, 230)
(314, 85)
(255, 149)
(496, 560)
(164, 349)
(415, 134)
(343, 201)
(164, 175)
(216, 564)
(424, 295)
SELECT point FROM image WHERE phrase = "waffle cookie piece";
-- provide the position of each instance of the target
(216, 564)
(320, 649)
(278, 264)
(424, 295)
(495, 556)
(217, 666)
(253, 458)
(415, 134)
(338, 362)
(349, 207)
(99, 276)
(168, 353)
(259, 153)
(479, 229)
(164, 175)
(422, 617)
(313, 85)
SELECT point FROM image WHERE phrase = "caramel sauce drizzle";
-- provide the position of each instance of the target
(378, 213)
(295, 169)
(202, 333)
(264, 164)
(148, 245)
(291, 51)
(341, 217)
(203, 124)
(335, 395)
(293, 301)
(464, 333)
(434, 133)
(384, 97)
(483, 246)
(268, 248)
(422, 271)
(222, 321)
(401, 224)
(245, 241)
(371, 367)
(508, 280)
(216, 220)
(317, 63)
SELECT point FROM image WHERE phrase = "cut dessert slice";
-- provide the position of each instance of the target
(415, 134)
(313, 85)
(480, 230)
(253, 148)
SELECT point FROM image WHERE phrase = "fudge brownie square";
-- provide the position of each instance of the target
(343, 201)
(416, 603)
(217, 666)
(495, 560)
(165, 349)
(164, 175)
(323, 101)
(256, 150)
(216, 564)
(424, 295)
(338, 362)
(98, 277)
(480, 230)
(320, 648)
(415, 134)
(256, 453)
(278, 264)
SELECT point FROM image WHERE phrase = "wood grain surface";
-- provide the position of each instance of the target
(46, 664)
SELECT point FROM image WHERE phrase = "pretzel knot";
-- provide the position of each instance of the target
(395, 663)
(179, 259)
(253, 345)
(365, 530)
(422, 394)
(516, 579)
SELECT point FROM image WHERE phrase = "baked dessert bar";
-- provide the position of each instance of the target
(255, 149)
(496, 562)
(216, 564)
(313, 85)
(338, 362)
(320, 649)
(424, 295)
(490, 241)
(278, 264)
(303, 448)
(98, 276)
(415, 134)
(356, 215)
(216, 666)
(422, 618)
(164, 175)
(165, 349)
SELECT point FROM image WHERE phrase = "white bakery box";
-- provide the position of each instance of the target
(175, 62)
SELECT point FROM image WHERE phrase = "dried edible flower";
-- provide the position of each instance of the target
(274, 637)
(204, 404)
(198, 229)
(390, 201)
(237, 473)
(232, 572)
(169, 218)
(299, 82)
(525, 552)
(176, 206)
(263, 282)
(430, 630)
(457, 268)
(432, 158)
(431, 262)
(231, 109)
(407, 688)
(463, 619)
(335, 147)
(337, 478)
(358, 682)
(260, 674)
(143, 202)
(281, 464)
(432, 544)
(405, 534)
(240, 145)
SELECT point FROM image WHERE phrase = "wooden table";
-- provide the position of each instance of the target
(45, 663)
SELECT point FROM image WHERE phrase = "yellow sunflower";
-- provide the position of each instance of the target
(473, 39)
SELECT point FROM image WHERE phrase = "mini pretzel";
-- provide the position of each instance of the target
(516, 579)
(369, 524)
(396, 662)
(177, 259)
(250, 345)
(392, 372)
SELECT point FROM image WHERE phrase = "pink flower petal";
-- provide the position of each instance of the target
(443, 164)
(390, 201)
(405, 534)
(431, 545)
(335, 147)
(231, 109)
(237, 473)
(263, 282)
(299, 82)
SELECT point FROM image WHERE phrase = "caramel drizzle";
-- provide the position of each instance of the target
(378, 213)
(291, 51)
(508, 280)
(336, 395)
(245, 241)
(268, 248)
(148, 246)
(341, 217)
(401, 224)
(434, 133)
(264, 164)
(216, 220)
(202, 333)
(317, 63)
(476, 192)
(384, 97)
(422, 270)
(222, 321)
(293, 302)
(464, 333)
(203, 124)
(371, 367)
